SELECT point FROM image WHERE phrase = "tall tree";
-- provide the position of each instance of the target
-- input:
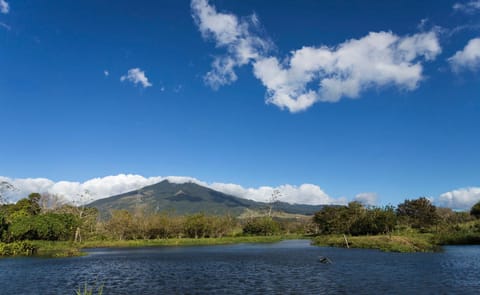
(418, 213)
(475, 211)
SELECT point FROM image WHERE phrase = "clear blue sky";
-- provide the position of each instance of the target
(63, 118)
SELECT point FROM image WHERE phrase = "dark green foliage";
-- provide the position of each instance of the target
(49, 227)
(355, 219)
(475, 211)
(329, 220)
(418, 213)
(3, 226)
(29, 205)
(263, 226)
(374, 221)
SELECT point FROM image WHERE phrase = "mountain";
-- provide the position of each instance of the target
(188, 198)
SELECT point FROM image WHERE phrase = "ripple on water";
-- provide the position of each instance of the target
(290, 267)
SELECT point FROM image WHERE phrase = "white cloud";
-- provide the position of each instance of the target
(376, 60)
(106, 73)
(231, 33)
(468, 58)
(4, 7)
(136, 76)
(468, 7)
(460, 199)
(112, 185)
(369, 199)
(303, 194)
(97, 187)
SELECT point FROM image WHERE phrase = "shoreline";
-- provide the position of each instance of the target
(401, 243)
(69, 249)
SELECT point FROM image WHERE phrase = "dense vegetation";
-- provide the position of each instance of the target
(414, 225)
(44, 218)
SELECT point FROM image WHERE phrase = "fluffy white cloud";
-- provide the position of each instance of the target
(4, 7)
(369, 199)
(468, 7)
(98, 188)
(229, 32)
(92, 189)
(468, 58)
(460, 199)
(375, 60)
(303, 194)
(136, 76)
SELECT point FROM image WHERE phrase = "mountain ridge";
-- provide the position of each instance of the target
(189, 198)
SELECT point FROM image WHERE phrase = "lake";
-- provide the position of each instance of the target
(288, 267)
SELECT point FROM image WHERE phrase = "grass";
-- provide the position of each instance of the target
(70, 249)
(387, 243)
(183, 242)
(56, 249)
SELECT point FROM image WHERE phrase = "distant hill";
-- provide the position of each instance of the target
(188, 198)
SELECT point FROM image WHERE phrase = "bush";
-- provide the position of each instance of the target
(17, 248)
(264, 226)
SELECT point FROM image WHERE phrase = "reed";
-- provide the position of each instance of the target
(86, 290)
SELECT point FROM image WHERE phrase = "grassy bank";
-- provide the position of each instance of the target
(56, 249)
(69, 249)
(394, 243)
(183, 242)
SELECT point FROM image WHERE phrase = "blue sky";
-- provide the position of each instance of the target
(377, 97)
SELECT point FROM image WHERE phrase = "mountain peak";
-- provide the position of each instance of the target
(189, 198)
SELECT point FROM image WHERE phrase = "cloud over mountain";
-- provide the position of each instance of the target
(98, 188)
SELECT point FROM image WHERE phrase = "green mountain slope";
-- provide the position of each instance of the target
(188, 198)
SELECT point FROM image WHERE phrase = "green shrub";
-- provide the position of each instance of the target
(17, 249)
(264, 226)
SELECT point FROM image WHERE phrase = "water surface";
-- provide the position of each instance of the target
(288, 267)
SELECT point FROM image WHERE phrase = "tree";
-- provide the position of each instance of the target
(475, 211)
(49, 226)
(86, 216)
(196, 226)
(276, 194)
(329, 220)
(121, 224)
(29, 205)
(418, 213)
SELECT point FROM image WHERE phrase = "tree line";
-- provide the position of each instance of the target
(417, 214)
(44, 217)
